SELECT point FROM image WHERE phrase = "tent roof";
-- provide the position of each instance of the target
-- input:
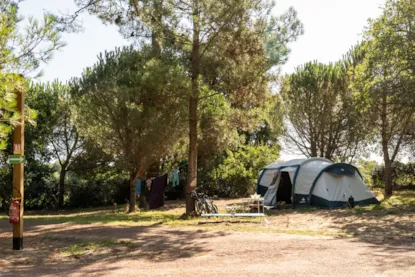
(295, 162)
(286, 163)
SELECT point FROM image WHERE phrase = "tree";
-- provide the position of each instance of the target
(321, 114)
(216, 24)
(385, 80)
(21, 53)
(240, 38)
(40, 185)
(10, 83)
(63, 137)
(130, 104)
(269, 126)
(367, 168)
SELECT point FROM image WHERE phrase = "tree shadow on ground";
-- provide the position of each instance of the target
(384, 228)
(171, 205)
(44, 245)
(389, 235)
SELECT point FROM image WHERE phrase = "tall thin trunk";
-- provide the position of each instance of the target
(313, 148)
(388, 178)
(62, 177)
(385, 141)
(133, 194)
(193, 106)
(157, 28)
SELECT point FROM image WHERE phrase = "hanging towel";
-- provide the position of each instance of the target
(158, 186)
(175, 179)
(138, 187)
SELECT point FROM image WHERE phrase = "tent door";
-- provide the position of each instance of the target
(284, 191)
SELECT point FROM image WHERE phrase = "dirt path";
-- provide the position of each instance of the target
(158, 251)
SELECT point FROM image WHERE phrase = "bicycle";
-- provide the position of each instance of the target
(199, 207)
(203, 204)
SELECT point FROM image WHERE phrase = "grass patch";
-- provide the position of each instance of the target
(83, 248)
(401, 202)
(105, 218)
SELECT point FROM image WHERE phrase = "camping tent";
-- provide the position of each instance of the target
(314, 181)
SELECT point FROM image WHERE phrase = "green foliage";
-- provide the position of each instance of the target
(46, 155)
(131, 105)
(268, 125)
(96, 189)
(280, 31)
(217, 131)
(321, 111)
(227, 48)
(9, 116)
(39, 180)
(236, 172)
(403, 176)
(367, 168)
(22, 50)
(385, 80)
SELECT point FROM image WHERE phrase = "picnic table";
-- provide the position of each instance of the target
(247, 204)
(243, 204)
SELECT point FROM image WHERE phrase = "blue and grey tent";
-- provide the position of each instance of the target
(314, 181)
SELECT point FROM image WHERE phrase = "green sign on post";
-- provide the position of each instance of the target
(16, 159)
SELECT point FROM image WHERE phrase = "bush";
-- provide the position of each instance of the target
(236, 172)
(403, 176)
(102, 189)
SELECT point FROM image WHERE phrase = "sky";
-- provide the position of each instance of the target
(331, 27)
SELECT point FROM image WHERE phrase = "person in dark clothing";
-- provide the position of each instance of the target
(156, 197)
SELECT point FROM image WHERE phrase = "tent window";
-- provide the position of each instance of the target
(284, 188)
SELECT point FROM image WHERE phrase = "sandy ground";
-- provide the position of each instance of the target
(159, 251)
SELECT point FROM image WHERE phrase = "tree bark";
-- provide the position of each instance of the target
(385, 142)
(156, 21)
(388, 179)
(62, 177)
(133, 195)
(193, 106)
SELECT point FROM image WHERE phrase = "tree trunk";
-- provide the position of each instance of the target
(313, 145)
(133, 195)
(156, 22)
(388, 179)
(62, 177)
(193, 106)
(143, 201)
(385, 141)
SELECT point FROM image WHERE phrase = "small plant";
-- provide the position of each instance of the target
(80, 249)
(74, 250)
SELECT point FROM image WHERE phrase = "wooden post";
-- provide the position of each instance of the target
(18, 171)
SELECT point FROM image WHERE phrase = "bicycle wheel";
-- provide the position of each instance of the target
(207, 207)
(198, 207)
(214, 208)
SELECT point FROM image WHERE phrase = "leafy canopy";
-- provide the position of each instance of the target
(22, 50)
(131, 105)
